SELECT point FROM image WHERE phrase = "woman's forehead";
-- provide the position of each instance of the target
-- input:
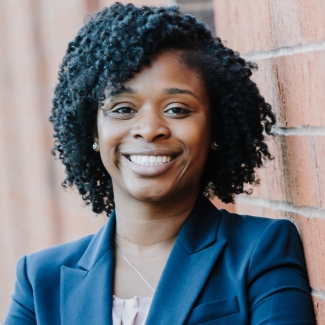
(168, 72)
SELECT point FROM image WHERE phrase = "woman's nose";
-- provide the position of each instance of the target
(151, 126)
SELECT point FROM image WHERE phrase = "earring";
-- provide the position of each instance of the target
(215, 144)
(95, 145)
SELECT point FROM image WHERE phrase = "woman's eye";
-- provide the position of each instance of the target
(119, 112)
(123, 110)
(177, 111)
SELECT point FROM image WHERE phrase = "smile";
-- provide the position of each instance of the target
(151, 164)
(150, 160)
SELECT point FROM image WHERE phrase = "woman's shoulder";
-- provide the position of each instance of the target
(238, 223)
(257, 239)
(51, 259)
(257, 223)
(248, 230)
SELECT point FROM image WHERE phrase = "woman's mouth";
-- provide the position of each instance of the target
(150, 160)
(151, 164)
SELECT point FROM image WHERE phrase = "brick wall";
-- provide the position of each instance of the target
(287, 40)
(35, 212)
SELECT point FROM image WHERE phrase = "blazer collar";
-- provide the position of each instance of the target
(102, 242)
(200, 228)
(195, 252)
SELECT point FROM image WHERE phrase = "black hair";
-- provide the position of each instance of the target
(112, 46)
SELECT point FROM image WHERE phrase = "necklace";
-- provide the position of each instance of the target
(127, 261)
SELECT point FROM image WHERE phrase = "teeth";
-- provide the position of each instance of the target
(150, 160)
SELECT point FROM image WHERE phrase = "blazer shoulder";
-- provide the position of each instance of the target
(52, 258)
(254, 222)
(247, 230)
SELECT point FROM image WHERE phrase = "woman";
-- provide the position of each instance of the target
(151, 111)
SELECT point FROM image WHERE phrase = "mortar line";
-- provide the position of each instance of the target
(171, 3)
(284, 51)
(206, 5)
(310, 212)
(318, 293)
(302, 130)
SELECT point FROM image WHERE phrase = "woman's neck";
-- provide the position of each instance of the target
(146, 226)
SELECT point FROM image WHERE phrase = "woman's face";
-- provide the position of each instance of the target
(154, 134)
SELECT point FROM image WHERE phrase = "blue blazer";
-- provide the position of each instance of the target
(223, 269)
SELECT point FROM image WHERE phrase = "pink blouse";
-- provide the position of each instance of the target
(133, 311)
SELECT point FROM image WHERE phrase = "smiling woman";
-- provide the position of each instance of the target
(152, 114)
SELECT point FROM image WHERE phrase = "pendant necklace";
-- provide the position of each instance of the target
(127, 261)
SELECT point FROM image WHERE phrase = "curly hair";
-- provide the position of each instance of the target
(112, 46)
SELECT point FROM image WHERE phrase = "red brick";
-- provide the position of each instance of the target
(78, 220)
(319, 307)
(221, 205)
(33, 218)
(291, 90)
(68, 23)
(92, 5)
(222, 20)
(8, 239)
(300, 169)
(261, 14)
(319, 240)
(30, 130)
(266, 79)
(305, 229)
(250, 209)
(276, 172)
(312, 20)
(319, 147)
(262, 78)
(312, 65)
(19, 25)
(145, 2)
(241, 24)
(287, 22)
(107, 3)
(301, 87)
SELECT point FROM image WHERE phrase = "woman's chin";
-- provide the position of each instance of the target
(151, 195)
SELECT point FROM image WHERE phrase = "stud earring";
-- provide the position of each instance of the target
(215, 144)
(95, 145)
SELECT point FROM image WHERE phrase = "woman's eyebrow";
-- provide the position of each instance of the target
(122, 90)
(115, 93)
(172, 91)
(169, 91)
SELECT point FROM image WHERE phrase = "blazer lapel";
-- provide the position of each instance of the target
(191, 260)
(86, 292)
